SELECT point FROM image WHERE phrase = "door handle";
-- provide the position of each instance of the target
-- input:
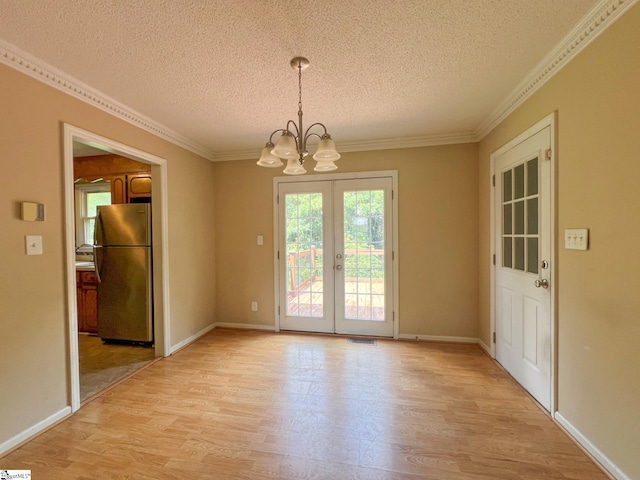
(544, 283)
(338, 267)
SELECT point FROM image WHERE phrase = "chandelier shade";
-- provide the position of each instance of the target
(267, 159)
(325, 166)
(294, 167)
(286, 147)
(326, 150)
(292, 143)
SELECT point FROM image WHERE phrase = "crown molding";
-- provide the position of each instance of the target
(408, 142)
(22, 61)
(366, 145)
(601, 16)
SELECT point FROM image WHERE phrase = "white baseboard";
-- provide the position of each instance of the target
(192, 338)
(485, 347)
(611, 467)
(34, 430)
(247, 326)
(438, 338)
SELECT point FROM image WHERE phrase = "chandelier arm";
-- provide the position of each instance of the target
(276, 131)
(307, 134)
(297, 134)
(312, 134)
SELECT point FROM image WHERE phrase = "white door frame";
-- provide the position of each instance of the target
(548, 121)
(338, 176)
(160, 245)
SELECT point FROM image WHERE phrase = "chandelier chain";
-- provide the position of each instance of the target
(300, 87)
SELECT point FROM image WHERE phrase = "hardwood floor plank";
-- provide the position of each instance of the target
(260, 405)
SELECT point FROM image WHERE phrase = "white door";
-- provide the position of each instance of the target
(335, 254)
(523, 256)
(306, 256)
(363, 255)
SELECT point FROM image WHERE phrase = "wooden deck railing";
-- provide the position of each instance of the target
(294, 258)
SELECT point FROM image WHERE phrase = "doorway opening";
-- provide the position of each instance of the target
(93, 182)
(335, 255)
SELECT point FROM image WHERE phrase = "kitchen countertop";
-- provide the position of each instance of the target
(85, 267)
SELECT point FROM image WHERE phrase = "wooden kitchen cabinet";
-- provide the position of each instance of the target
(87, 293)
(130, 180)
(130, 188)
(119, 189)
(138, 186)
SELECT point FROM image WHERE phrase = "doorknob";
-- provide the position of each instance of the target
(541, 283)
(338, 267)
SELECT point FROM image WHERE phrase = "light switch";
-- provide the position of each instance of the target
(576, 238)
(254, 306)
(260, 240)
(33, 244)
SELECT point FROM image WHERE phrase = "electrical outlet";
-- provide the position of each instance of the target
(254, 306)
(576, 238)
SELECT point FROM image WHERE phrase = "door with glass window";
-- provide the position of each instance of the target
(523, 250)
(335, 256)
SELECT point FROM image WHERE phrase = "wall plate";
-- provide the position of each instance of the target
(576, 238)
(33, 244)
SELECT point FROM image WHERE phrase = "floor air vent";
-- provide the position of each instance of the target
(364, 341)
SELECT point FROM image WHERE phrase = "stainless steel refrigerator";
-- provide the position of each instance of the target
(122, 255)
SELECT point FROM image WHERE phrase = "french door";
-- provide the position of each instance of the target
(335, 256)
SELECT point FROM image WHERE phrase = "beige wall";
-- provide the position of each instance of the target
(33, 308)
(597, 97)
(438, 191)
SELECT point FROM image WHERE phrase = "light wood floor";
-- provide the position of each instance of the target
(257, 405)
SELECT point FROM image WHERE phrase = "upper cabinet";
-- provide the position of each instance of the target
(139, 186)
(130, 180)
(119, 189)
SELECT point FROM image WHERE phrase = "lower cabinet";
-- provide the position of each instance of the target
(87, 293)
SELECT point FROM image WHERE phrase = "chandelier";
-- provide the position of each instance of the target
(292, 144)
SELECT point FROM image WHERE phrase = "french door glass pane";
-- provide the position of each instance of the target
(518, 227)
(507, 219)
(532, 255)
(519, 181)
(519, 253)
(506, 186)
(303, 226)
(532, 216)
(364, 255)
(520, 222)
(532, 177)
(507, 252)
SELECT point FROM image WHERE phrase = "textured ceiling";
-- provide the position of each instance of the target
(218, 71)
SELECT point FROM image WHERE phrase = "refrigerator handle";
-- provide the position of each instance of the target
(97, 260)
(97, 229)
(97, 245)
